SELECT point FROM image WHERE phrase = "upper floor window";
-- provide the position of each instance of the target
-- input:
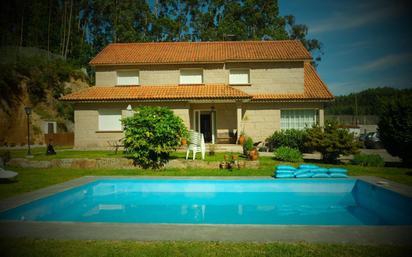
(191, 76)
(109, 120)
(239, 77)
(298, 118)
(128, 77)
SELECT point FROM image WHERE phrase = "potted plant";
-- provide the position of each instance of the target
(183, 141)
(253, 154)
(242, 138)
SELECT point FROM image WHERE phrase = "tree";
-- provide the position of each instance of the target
(299, 32)
(78, 30)
(151, 134)
(238, 20)
(369, 101)
(331, 141)
(395, 127)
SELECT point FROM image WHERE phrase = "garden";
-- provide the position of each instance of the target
(150, 147)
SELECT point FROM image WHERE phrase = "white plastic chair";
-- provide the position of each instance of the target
(197, 144)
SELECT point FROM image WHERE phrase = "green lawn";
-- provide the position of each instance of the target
(32, 179)
(65, 153)
(45, 248)
(39, 153)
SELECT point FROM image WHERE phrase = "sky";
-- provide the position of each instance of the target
(366, 43)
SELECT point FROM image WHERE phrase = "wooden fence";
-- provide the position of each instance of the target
(61, 139)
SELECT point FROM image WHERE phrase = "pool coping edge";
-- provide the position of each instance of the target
(202, 232)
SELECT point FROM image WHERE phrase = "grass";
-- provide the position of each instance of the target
(45, 248)
(39, 154)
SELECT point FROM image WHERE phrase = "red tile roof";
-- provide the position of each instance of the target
(200, 52)
(314, 89)
(172, 92)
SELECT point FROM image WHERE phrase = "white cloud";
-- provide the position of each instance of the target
(384, 62)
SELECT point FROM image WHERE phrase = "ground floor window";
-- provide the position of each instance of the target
(298, 118)
(109, 120)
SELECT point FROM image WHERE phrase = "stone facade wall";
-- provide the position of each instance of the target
(260, 120)
(274, 77)
(86, 130)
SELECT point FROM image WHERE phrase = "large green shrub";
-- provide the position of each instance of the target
(151, 134)
(288, 154)
(395, 128)
(292, 138)
(371, 160)
(331, 141)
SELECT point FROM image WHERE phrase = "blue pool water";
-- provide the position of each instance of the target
(310, 202)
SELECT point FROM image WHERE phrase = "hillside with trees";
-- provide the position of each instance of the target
(367, 102)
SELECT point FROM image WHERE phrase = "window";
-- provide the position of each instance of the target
(127, 77)
(239, 77)
(297, 119)
(109, 120)
(191, 76)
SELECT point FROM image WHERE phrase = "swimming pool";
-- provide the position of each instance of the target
(189, 201)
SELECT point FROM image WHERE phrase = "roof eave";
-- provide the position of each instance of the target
(200, 62)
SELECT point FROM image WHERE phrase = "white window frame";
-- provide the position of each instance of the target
(130, 77)
(109, 123)
(239, 83)
(301, 122)
(181, 82)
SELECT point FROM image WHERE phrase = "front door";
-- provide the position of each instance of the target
(204, 122)
(206, 126)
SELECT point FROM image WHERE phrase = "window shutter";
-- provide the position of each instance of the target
(192, 76)
(128, 78)
(109, 120)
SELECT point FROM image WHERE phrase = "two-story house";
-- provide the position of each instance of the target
(221, 89)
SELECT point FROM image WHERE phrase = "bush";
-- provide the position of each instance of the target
(331, 141)
(371, 160)
(395, 128)
(247, 145)
(288, 154)
(292, 138)
(151, 134)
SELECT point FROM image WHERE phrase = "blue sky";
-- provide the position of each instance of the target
(366, 43)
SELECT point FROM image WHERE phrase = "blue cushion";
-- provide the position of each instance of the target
(337, 170)
(321, 175)
(285, 167)
(338, 175)
(284, 171)
(285, 176)
(305, 175)
(320, 170)
(308, 166)
(302, 171)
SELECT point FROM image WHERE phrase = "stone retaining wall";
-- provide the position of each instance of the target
(119, 163)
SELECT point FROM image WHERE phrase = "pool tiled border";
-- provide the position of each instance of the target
(259, 233)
